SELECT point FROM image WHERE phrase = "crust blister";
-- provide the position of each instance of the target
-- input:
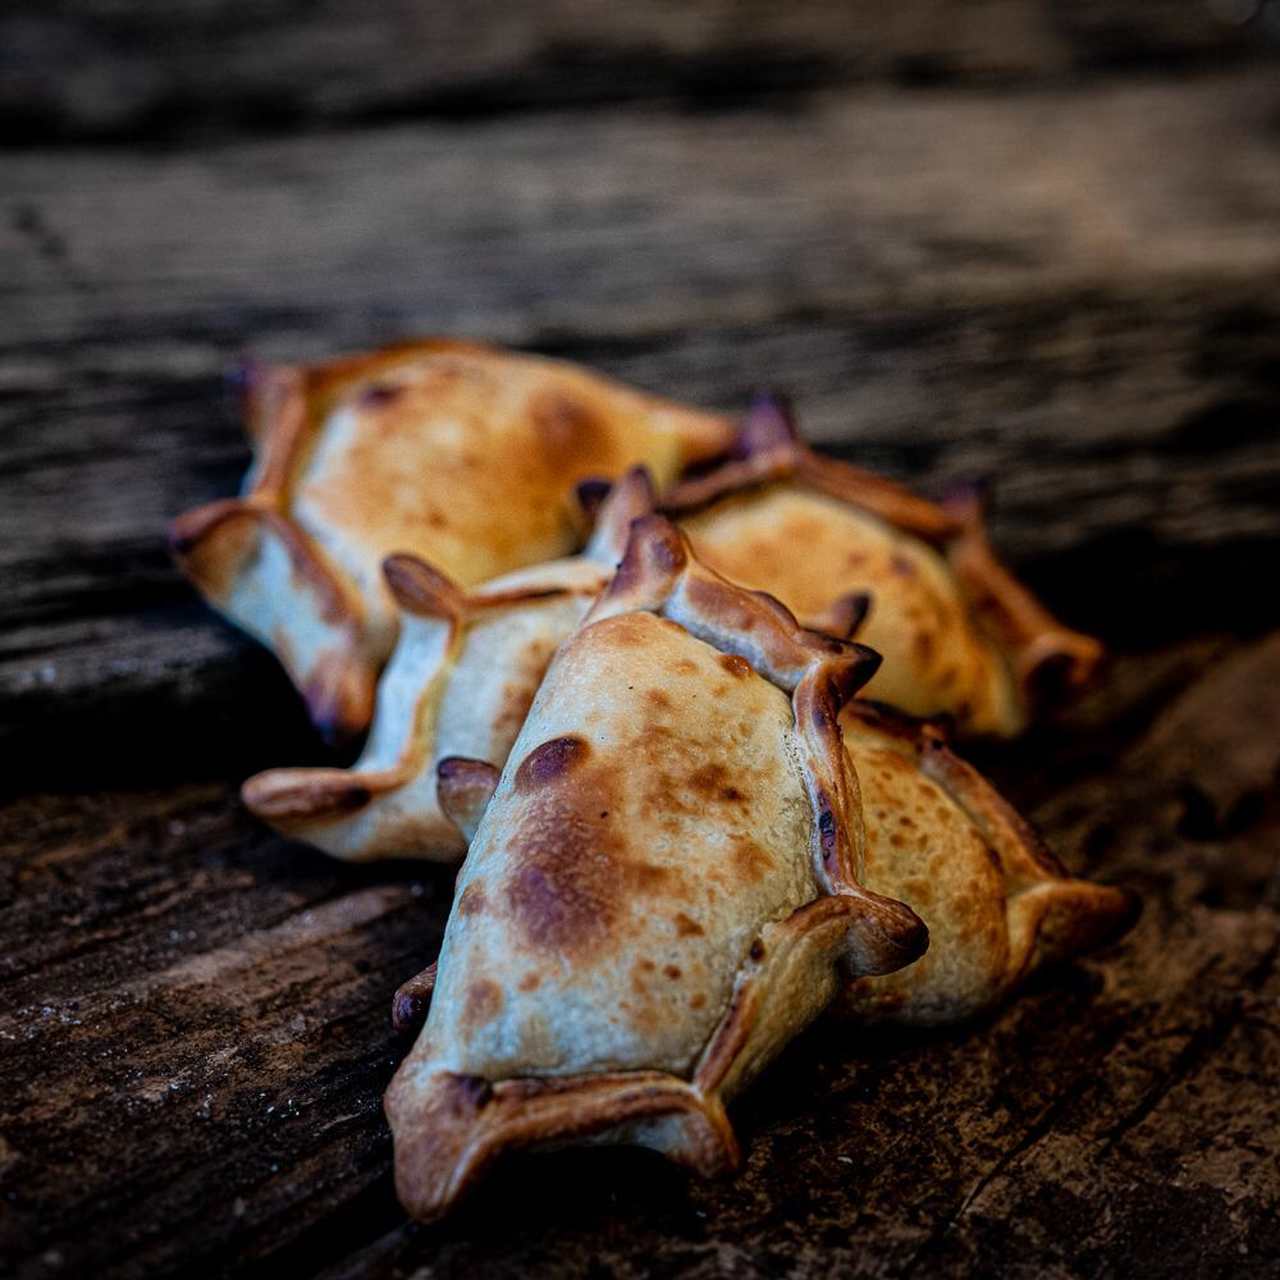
(507, 967)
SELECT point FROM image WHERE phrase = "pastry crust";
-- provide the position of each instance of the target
(662, 892)
(462, 455)
(450, 702)
(996, 901)
(842, 547)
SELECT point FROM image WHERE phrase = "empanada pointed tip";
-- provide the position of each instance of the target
(289, 798)
(655, 555)
(849, 613)
(412, 1000)
(1059, 661)
(592, 492)
(853, 671)
(969, 500)
(627, 500)
(464, 788)
(295, 798)
(769, 423)
(419, 587)
(187, 531)
(890, 936)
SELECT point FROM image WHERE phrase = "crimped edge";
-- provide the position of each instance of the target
(469, 1122)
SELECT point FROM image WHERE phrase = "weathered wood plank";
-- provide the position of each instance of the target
(194, 1040)
(626, 224)
(71, 68)
(1073, 293)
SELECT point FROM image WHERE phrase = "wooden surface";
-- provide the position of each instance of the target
(1036, 242)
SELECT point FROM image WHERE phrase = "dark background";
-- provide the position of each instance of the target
(1033, 242)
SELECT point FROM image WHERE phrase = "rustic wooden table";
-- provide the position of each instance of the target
(1034, 241)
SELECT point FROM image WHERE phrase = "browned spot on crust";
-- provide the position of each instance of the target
(697, 1001)
(567, 429)
(685, 926)
(750, 861)
(573, 884)
(735, 666)
(658, 698)
(472, 901)
(483, 1003)
(712, 782)
(530, 982)
(644, 1019)
(685, 666)
(648, 877)
(550, 761)
(568, 910)
(757, 950)
(902, 566)
(672, 971)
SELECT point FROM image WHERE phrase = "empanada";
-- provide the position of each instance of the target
(463, 455)
(459, 683)
(943, 840)
(662, 891)
(958, 633)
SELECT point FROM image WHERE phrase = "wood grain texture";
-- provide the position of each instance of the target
(101, 69)
(195, 1035)
(1028, 241)
(1072, 294)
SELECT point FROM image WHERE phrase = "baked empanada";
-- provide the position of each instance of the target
(942, 839)
(661, 893)
(463, 455)
(458, 684)
(845, 550)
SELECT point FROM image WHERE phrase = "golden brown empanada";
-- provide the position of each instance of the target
(942, 839)
(662, 892)
(845, 550)
(459, 683)
(463, 455)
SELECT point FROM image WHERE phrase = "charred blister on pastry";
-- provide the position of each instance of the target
(996, 900)
(461, 456)
(450, 702)
(851, 553)
(668, 887)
